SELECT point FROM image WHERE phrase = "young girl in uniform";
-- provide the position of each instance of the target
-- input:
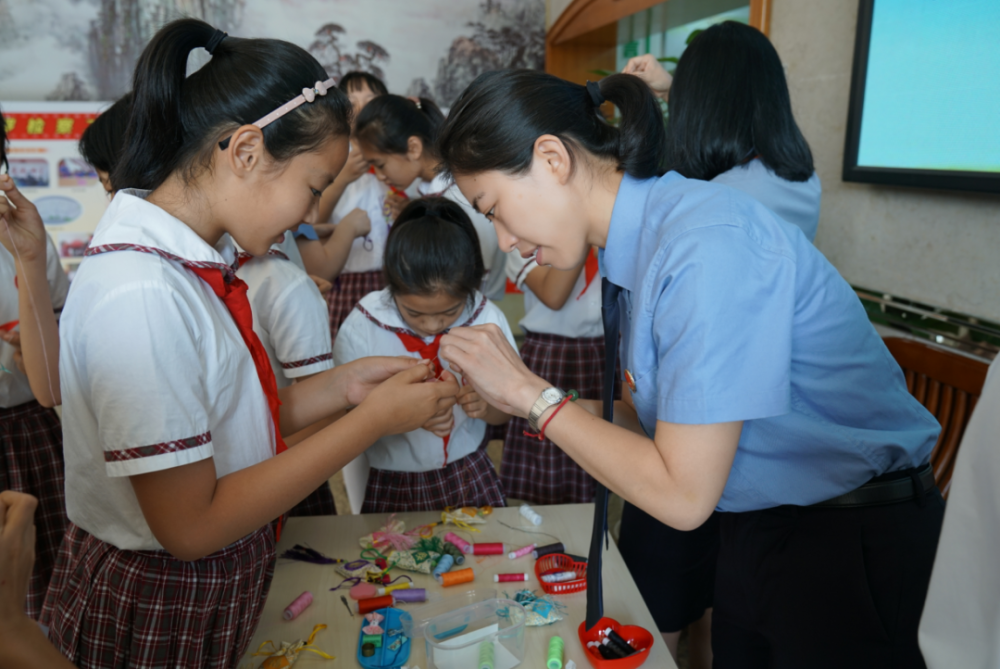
(175, 459)
(398, 137)
(797, 423)
(564, 341)
(433, 270)
(31, 456)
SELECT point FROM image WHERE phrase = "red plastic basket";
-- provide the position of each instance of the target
(637, 636)
(554, 562)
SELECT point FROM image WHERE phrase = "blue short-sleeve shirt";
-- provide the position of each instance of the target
(730, 314)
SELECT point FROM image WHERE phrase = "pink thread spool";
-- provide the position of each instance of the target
(298, 606)
(508, 578)
(488, 549)
(521, 552)
(462, 544)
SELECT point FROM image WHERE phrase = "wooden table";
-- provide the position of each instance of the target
(337, 536)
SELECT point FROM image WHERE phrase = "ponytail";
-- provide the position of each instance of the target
(176, 121)
(433, 246)
(102, 142)
(495, 122)
(388, 122)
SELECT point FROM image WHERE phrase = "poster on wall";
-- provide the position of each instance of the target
(86, 49)
(46, 165)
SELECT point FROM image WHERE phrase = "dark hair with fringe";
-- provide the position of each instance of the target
(494, 124)
(388, 122)
(352, 81)
(177, 121)
(433, 246)
(729, 103)
(102, 142)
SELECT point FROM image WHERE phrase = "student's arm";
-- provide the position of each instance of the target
(649, 69)
(552, 286)
(23, 235)
(193, 513)
(354, 168)
(22, 643)
(326, 257)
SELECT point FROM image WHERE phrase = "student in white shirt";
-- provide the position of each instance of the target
(433, 269)
(176, 467)
(398, 135)
(33, 289)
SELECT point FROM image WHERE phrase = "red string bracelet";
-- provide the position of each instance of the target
(541, 433)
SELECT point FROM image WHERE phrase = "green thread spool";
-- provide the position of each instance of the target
(556, 646)
(373, 639)
(486, 652)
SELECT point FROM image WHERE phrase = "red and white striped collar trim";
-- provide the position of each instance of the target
(398, 330)
(243, 256)
(228, 272)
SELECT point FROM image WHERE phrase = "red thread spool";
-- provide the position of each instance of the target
(488, 549)
(449, 578)
(374, 604)
(507, 578)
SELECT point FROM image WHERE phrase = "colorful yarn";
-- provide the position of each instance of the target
(301, 553)
(410, 595)
(298, 606)
(444, 564)
(375, 603)
(521, 552)
(459, 542)
(507, 578)
(454, 551)
(488, 549)
(450, 578)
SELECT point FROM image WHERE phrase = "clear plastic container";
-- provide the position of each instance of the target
(414, 619)
(453, 639)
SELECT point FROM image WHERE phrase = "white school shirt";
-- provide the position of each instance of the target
(370, 329)
(494, 259)
(579, 317)
(368, 194)
(290, 248)
(289, 315)
(14, 387)
(154, 371)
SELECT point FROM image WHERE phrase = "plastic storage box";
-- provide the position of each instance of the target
(454, 639)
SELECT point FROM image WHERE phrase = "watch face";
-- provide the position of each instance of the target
(552, 395)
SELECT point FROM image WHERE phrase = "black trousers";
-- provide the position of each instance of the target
(810, 588)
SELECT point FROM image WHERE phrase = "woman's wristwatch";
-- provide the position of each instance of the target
(550, 397)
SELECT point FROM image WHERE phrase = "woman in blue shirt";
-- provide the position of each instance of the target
(758, 386)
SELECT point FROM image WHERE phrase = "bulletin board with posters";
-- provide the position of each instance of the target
(45, 164)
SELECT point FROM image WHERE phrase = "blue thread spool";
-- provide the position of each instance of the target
(444, 564)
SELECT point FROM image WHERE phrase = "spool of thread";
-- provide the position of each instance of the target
(459, 542)
(508, 578)
(486, 653)
(555, 660)
(488, 549)
(410, 595)
(560, 577)
(619, 642)
(454, 551)
(392, 588)
(367, 649)
(545, 550)
(531, 515)
(298, 606)
(612, 650)
(373, 639)
(450, 578)
(444, 564)
(374, 603)
(607, 653)
(521, 552)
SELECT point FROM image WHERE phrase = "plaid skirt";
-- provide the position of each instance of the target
(348, 289)
(318, 503)
(31, 461)
(470, 481)
(539, 471)
(118, 608)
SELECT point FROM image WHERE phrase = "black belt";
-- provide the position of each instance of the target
(888, 489)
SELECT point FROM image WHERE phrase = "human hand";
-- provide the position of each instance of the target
(17, 553)
(363, 375)
(492, 367)
(410, 399)
(395, 203)
(357, 222)
(651, 71)
(324, 286)
(355, 166)
(13, 337)
(441, 423)
(472, 403)
(21, 229)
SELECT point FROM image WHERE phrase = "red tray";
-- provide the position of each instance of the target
(560, 562)
(635, 635)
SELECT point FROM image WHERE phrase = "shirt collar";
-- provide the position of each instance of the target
(438, 185)
(382, 309)
(130, 220)
(617, 258)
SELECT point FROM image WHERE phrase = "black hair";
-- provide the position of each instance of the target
(388, 122)
(102, 142)
(433, 246)
(352, 81)
(3, 141)
(495, 122)
(729, 103)
(177, 121)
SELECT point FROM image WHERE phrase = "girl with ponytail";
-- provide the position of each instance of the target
(754, 382)
(433, 269)
(175, 463)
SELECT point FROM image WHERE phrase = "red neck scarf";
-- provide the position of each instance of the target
(427, 352)
(590, 269)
